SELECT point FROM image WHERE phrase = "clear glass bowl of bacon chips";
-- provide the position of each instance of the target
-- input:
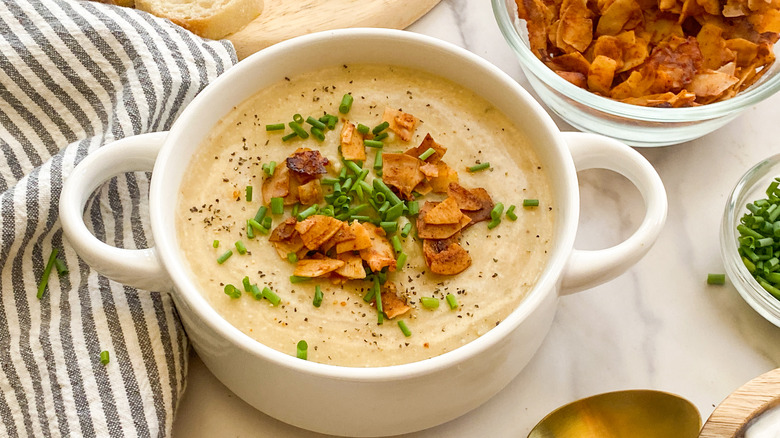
(642, 75)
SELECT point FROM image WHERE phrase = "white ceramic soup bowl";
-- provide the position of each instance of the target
(334, 399)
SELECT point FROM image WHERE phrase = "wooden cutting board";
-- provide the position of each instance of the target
(284, 19)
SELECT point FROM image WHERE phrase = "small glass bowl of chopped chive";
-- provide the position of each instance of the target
(750, 238)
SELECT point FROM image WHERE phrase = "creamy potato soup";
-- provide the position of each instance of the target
(463, 272)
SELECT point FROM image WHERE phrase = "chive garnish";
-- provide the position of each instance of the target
(297, 118)
(373, 144)
(430, 302)
(298, 130)
(269, 168)
(495, 215)
(317, 296)
(275, 127)
(399, 264)
(378, 298)
(381, 136)
(318, 134)
(414, 208)
(215, 243)
(267, 222)
(255, 225)
(380, 127)
(332, 120)
(225, 255)
(346, 103)
(316, 123)
(47, 272)
(290, 136)
(406, 229)
(478, 167)
(277, 205)
(250, 232)
(424, 156)
(452, 301)
(247, 284)
(352, 166)
(380, 186)
(61, 268)
(363, 129)
(104, 359)
(510, 213)
(308, 212)
(255, 291)
(296, 279)
(530, 202)
(302, 350)
(240, 247)
(232, 292)
(292, 257)
(389, 227)
(394, 212)
(404, 328)
(378, 163)
(269, 295)
(396, 241)
(718, 279)
(260, 214)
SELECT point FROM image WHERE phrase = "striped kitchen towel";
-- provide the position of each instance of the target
(74, 76)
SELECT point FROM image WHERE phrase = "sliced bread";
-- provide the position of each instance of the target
(212, 19)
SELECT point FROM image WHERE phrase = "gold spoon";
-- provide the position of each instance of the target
(622, 414)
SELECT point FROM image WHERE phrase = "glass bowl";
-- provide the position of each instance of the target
(632, 124)
(751, 186)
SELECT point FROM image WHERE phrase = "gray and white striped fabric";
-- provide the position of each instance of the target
(74, 76)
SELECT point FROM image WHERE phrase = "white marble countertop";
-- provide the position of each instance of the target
(659, 326)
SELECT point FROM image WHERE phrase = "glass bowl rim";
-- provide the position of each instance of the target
(529, 61)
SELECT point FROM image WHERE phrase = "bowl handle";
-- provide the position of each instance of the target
(586, 268)
(139, 268)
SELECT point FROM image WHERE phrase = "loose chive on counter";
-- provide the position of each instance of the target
(430, 302)
(530, 202)
(346, 103)
(232, 291)
(61, 268)
(225, 255)
(478, 167)
(404, 328)
(47, 272)
(452, 301)
(302, 350)
(718, 279)
(104, 359)
(317, 296)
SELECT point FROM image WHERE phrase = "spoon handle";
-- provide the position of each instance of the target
(744, 404)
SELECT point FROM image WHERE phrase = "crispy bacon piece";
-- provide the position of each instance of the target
(445, 212)
(402, 172)
(317, 229)
(277, 185)
(446, 176)
(427, 230)
(427, 143)
(353, 266)
(361, 239)
(306, 164)
(446, 256)
(401, 123)
(392, 304)
(352, 147)
(316, 267)
(310, 193)
(381, 253)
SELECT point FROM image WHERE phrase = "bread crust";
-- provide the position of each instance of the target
(218, 22)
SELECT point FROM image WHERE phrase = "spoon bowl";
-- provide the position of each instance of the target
(622, 414)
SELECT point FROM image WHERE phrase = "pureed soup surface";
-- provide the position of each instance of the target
(506, 260)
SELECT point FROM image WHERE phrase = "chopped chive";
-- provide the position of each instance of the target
(373, 144)
(380, 186)
(255, 291)
(380, 127)
(394, 212)
(250, 232)
(389, 227)
(254, 224)
(716, 279)
(424, 156)
(47, 272)
(343, 174)
(277, 205)
(363, 129)
(352, 166)
(452, 301)
(381, 136)
(104, 359)
(292, 257)
(406, 229)
(332, 120)
(269, 295)
(378, 299)
(530, 202)
(290, 136)
(404, 328)
(328, 181)
(225, 255)
(240, 247)
(317, 296)
(247, 284)
(232, 292)
(298, 130)
(275, 127)
(296, 279)
(267, 222)
(316, 123)
(215, 243)
(495, 213)
(399, 264)
(61, 268)
(346, 103)
(302, 350)
(360, 218)
(510, 213)
(269, 168)
(493, 223)
(478, 167)
(396, 241)
(430, 302)
(318, 134)
(297, 118)
(414, 208)
(383, 209)
(260, 213)
(308, 212)
(248, 193)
